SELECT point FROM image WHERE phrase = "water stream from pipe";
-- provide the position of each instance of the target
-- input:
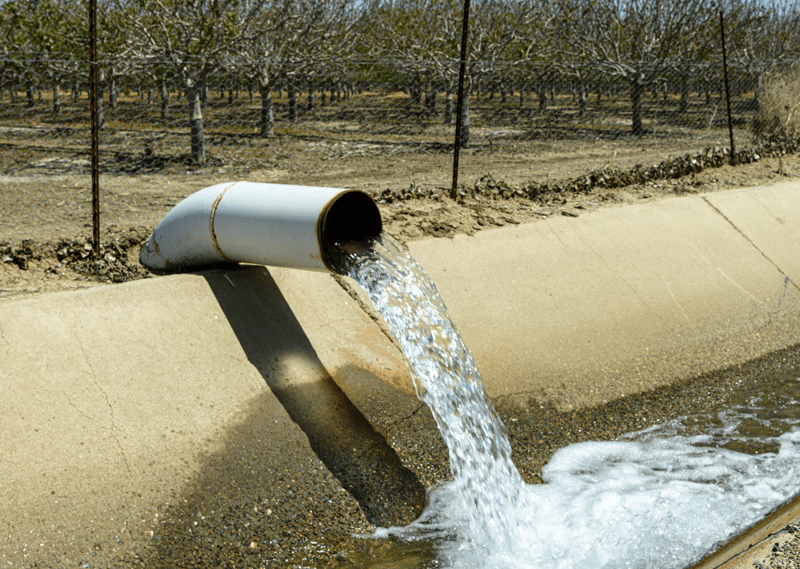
(447, 380)
(656, 499)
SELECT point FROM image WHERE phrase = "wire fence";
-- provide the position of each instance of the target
(350, 123)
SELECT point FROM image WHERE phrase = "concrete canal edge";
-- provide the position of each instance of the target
(125, 402)
(753, 547)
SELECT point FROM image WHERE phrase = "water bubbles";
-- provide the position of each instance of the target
(662, 503)
(661, 498)
(446, 379)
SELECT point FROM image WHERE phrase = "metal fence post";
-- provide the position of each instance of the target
(727, 87)
(95, 151)
(460, 107)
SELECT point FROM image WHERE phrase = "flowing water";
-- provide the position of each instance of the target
(656, 499)
(447, 380)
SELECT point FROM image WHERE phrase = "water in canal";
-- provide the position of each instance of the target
(656, 499)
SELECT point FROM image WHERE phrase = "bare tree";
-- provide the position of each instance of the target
(288, 44)
(763, 36)
(635, 40)
(192, 37)
(423, 38)
(41, 35)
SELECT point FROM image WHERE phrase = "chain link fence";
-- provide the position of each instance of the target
(347, 123)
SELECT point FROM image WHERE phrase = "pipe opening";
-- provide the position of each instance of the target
(354, 216)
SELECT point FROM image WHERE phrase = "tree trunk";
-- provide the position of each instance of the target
(310, 100)
(196, 124)
(56, 100)
(29, 92)
(292, 103)
(101, 109)
(636, 106)
(431, 100)
(76, 93)
(542, 95)
(465, 120)
(581, 98)
(416, 92)
(684, 104)
(448, 108)
(267, 118)
(112, 94)
(164, 92)
(757, 92)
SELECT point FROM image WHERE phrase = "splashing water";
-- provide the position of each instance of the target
(663, 498)
(446, 379)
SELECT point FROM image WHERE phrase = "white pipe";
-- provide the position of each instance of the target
(264, 224)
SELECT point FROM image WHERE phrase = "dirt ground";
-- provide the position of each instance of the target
(47, 247)
(494, 192)
(522, 163)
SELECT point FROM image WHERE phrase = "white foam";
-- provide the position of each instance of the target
(657, 504)
(660, 499)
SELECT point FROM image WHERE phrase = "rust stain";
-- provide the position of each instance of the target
(397, 376)
(211, 223)
(321, 218)
(375, 342)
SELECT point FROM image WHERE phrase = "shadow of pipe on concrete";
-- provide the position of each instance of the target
(264, 496)
(263, 499)
(275, 343)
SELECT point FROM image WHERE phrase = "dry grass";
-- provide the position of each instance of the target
(779, 109)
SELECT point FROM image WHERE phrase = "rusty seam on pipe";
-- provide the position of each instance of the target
(211, 223)
(322, 218)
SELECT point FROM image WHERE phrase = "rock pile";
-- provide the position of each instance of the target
(117, 262)
(604, 178)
